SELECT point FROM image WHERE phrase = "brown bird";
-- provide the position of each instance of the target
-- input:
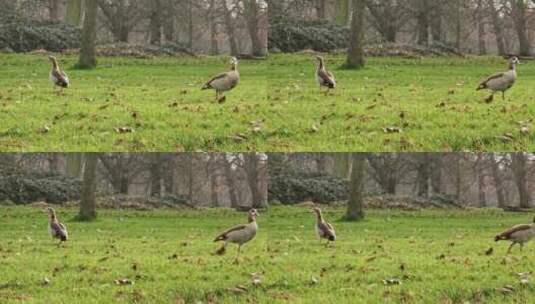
(324, 77)
(57, 76)
(225, 81)
(56, 229)
(239, 234)
(500, 82)
(324, 230)
(519, 234)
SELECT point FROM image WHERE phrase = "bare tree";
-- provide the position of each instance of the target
(355, 54)
(87, 203)
(88, 58)
(355, 210)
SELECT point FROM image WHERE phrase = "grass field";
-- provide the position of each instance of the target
(438, 256)
(392, 105)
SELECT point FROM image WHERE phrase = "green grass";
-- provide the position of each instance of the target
(277, 106)
(442, 253)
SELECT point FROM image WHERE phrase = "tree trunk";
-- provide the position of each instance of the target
(252, 14)
(190, 24)
(214, 48)
(481, 33)
(423, 23)
(229, 176)
(155, 25)
(497, 26)
(498, 183)
(89, 36)
(436, 23)
(156, 174)
(436, 173)
(213, 190)
(519, 163)
(89, 187)
(480, 173)
(251, 168)
(355, 210)
(423, 174)
(74, 12)
(355, 55)
(519, 8)
(234, 51)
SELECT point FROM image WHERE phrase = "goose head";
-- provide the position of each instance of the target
(53, 60)
(513, 61)
(234, 62)
(317, 211)
(253, 213)
(50, 211)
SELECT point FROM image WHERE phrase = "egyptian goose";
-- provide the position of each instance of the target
(500, 82)
(518, 234)
(324, 77)
(324, 230)
(57, 76)
(56, 229)
(240, 234)
(225, 81)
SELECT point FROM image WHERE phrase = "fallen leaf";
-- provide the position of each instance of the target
(392, 281)
(123, 281)
(392, 130)
(122, 130)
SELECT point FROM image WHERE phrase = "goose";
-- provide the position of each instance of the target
(57, 76)
(518, 234)
(239, 234)
(500, 82)
(225, 81)
(324, 230)
(56, 229)
(324, 77)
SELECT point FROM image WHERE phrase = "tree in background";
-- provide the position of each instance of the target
(89, 188)
(355, 53)
(88, 57)
(355, 211)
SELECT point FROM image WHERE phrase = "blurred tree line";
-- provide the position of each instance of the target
(202, 26)
(194, 179)
(504, 180)
(473, 26)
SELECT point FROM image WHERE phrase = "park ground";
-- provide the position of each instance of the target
(394, 104)
(166, 256)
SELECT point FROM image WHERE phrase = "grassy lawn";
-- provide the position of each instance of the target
(438, 256)
(277, 106)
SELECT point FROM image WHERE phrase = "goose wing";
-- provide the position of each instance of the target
(326, 229)
(58, 231)
(59, 78)
(327, 78)
(208, 84)
(223, 236)
(484, 83)
(507, 233)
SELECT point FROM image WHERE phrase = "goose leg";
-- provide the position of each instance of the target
(503, 95)
(510, 247)
(237, 259)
